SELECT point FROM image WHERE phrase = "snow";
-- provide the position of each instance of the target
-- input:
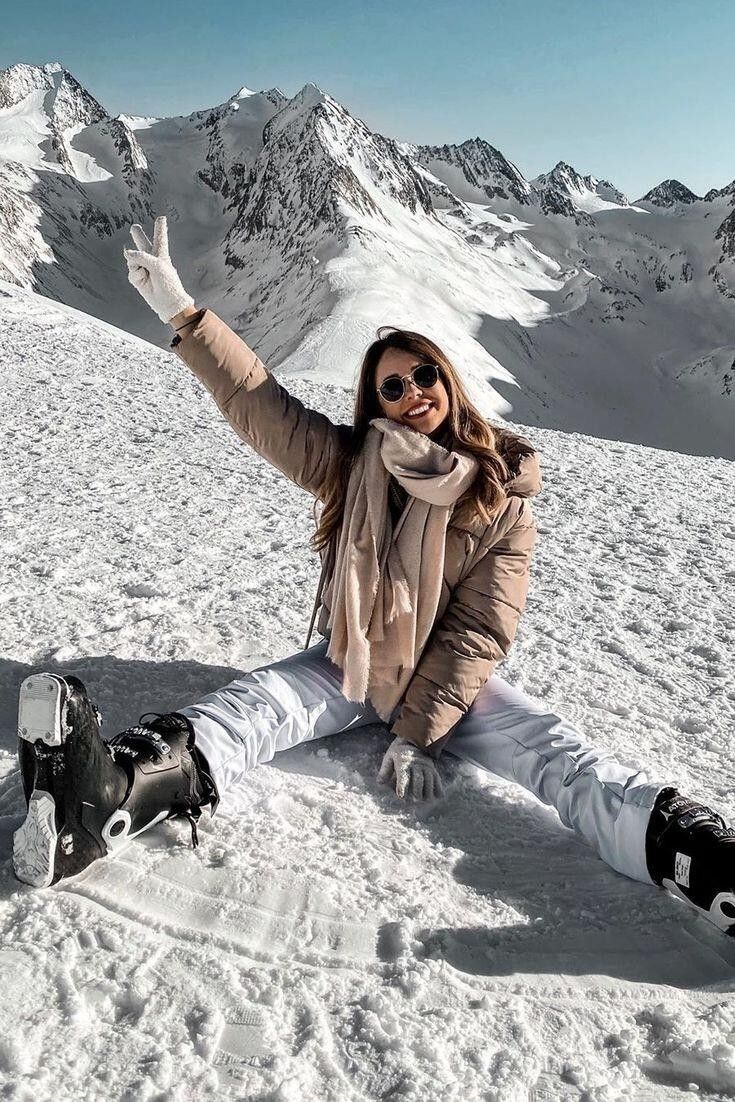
(87, 168)
(24, 128)
(331, 942)
(307, 230)
(138, 122)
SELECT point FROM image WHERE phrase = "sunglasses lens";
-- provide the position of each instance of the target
(425, 375)
(392, 390)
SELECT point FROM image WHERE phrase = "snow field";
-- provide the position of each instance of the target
(330, 942)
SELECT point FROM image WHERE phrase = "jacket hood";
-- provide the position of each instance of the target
(523, 461)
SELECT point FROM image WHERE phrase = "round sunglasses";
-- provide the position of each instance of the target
(425, 376)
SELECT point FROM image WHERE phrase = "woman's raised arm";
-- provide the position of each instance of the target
(302, 443)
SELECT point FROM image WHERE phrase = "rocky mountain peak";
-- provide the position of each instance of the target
(302, 111)
(565, 191)
(668, 193)
(728, 191)
(608, 191)
(62, 98)
(484, 167)
(562, 175)
(317, 163)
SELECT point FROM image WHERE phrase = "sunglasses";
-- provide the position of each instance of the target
(424, 376)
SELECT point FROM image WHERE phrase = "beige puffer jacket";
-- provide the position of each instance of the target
(486, 572)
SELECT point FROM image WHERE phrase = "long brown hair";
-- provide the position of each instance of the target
(466, 430)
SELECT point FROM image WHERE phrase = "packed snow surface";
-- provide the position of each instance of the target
(331, 942)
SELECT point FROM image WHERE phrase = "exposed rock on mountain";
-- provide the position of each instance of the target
(482, 172)
(564, 303)
(669, 193)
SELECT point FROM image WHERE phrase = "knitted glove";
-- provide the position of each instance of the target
(409, 765)
(152, 274)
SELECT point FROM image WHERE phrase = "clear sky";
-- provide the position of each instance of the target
(634, 91)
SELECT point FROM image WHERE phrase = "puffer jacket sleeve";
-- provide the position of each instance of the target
(302, 443)
(475, 632)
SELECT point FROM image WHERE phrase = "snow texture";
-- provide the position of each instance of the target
(331, 942)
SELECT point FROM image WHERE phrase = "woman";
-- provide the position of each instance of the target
(426, 536)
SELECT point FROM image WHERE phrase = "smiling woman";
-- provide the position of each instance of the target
(419, 397)
(394, 384)
(417, 611)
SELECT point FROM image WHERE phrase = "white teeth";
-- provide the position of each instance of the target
(419, 410)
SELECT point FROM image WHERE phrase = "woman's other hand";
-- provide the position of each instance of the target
(410, 768)
(152, 274)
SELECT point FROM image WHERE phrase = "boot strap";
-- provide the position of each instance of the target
(685, 814)
(146, 752)
(202, 777)
(140, 737)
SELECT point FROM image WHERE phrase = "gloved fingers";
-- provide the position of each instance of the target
(133, 263)
(139, 277)
(386, 768)
(433, 787)
(140, 237)
(417, 783)
(141, 258)
(403, 774)
(160, 236)
(138, 274)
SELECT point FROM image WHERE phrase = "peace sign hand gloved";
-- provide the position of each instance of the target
(411, 767)
(152, 274)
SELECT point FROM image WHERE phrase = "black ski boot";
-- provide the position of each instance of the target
(86, 797)
(690, 850)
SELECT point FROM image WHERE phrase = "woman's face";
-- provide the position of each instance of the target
(431, 404)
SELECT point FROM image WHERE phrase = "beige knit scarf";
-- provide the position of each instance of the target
(385, 588)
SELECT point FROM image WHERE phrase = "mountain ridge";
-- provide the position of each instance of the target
(306, 229)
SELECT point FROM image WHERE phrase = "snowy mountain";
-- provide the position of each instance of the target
(52, 99)
(288, 223)
(481, 172)
(565, 304)
(670, 192)
(330, 943)
(564, 191)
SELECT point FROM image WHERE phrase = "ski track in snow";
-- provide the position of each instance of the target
(330, 942)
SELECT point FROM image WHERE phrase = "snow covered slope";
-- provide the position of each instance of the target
(332, 943)
(565, 304)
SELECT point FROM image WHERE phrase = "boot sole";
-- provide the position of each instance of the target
(41, 709)
(41, 719)
(34, 843)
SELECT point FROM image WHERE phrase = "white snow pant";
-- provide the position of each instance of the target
(505, 731)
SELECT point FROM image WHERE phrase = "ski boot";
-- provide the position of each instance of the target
(690, 850)
(87, 797)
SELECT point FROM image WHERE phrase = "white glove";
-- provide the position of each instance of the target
(152, 274)
(411, 766)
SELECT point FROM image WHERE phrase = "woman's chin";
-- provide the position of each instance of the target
(426, 430)
(439, 427)
(428, 425)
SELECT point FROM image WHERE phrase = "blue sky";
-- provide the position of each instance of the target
(633, 92)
